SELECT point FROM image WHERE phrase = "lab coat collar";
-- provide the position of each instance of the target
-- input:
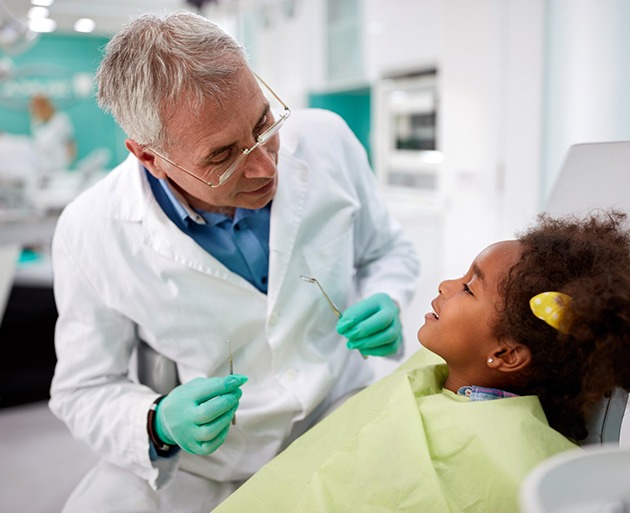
(289, 138)
(287, 212)
(133, 202)
(130, 196)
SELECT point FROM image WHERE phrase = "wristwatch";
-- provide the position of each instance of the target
(162, 449)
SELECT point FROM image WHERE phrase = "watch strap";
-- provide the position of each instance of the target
(161, 448)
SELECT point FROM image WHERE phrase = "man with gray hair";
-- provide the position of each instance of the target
(194, 247)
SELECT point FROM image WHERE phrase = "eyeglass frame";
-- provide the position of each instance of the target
(261, 140)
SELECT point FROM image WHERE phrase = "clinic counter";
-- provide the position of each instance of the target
(27, 308)
(32, 233)
(26, 228)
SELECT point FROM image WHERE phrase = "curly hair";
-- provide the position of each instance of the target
(588, 259)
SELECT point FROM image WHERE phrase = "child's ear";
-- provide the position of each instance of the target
(509, 357)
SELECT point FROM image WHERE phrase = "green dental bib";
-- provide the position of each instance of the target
(404, 444)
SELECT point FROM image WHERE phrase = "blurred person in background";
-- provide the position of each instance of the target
(53, 135)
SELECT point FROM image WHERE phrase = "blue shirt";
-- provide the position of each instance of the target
(241, 243)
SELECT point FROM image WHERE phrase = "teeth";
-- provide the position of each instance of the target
(436, 315)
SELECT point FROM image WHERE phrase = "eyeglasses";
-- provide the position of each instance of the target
(225, 171)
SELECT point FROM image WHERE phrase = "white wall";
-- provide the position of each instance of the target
(587, 77)
(287, 51)
(401, 35)
(521, 143)
(491, 87)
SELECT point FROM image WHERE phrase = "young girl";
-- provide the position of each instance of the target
(569, 361)
(543, 320)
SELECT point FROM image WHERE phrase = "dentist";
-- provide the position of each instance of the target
(195, 244)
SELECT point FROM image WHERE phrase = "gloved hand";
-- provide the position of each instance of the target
(196, 415)
(372, 326)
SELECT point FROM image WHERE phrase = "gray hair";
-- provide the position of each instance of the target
(159, 63)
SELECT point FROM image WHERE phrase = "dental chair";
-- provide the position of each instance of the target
(595, 479)
(596, 176)
(593, 175)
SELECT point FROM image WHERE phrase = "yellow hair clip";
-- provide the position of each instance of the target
(553, 308)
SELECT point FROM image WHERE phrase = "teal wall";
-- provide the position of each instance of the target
(62, 67)
(353, 105)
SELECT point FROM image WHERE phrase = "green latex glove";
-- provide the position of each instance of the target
(372, 326)
(196, 415)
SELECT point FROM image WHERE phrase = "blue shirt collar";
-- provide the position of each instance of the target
(483, 394)
(184, 211)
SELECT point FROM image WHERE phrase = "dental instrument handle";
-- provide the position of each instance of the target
(231, 363)
(332, 305)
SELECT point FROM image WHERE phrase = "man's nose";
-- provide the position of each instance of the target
(261, 162)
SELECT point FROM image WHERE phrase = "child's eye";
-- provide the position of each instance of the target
(467, 289)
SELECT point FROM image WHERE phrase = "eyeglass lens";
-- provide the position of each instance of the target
(261, 140)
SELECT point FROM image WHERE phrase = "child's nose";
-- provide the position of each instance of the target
(445, 287)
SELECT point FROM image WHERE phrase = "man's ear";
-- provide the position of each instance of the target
(509, 357)
(146, 158)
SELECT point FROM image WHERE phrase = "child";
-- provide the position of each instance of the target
(542, 320)
(570, 366)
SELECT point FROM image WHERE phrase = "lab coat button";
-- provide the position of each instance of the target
(273, 319)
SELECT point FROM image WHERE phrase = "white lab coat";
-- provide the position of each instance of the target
(123, 270)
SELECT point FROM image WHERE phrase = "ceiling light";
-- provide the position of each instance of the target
(42, 25)
(37, 13)
(84, 25)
